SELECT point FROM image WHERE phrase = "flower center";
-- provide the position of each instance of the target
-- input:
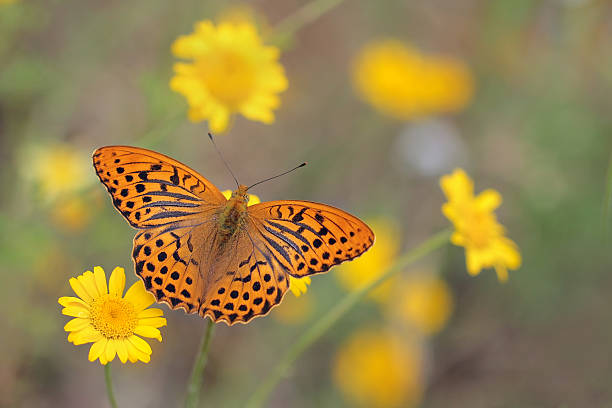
(114, 317)
(230, 78)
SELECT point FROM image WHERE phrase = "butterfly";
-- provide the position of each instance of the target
(203, 253)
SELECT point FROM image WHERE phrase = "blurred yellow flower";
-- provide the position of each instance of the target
(476, 226)
(58, 170)
(403, 83)
(377, 369)
(7, 1)
(361, 271)
(111, 322)
(423, 301)
(231, 71)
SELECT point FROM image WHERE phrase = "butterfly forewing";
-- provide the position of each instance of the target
(150, 189)
(307, 237)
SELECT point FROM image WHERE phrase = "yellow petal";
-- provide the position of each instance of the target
(488, 200)
(88, 281)
(68, 301)
(97, 349)
(139, 297)
(110, 350)
(151, 312)
(140, 344)
(87, 335)
(122, 351)
(219, 121)
(148, 331)
(100, 278)
(78, 288)
(76, 311)
(77, 324)
(473, 263)
(135, 354)
(502, 273)
(116, 283)
(153, 322)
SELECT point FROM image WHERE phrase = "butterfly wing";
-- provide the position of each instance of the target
(309, 238)
(150, 189)
(246, 280)
(280, 238)
(174, 207)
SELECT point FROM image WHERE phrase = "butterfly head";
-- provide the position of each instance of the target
(240, 195)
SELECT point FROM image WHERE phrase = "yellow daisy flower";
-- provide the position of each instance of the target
(296, 285)
(378, 369)
(231, 71)
(112, 322)
(476, 227)
(403, 83)
(369, 266)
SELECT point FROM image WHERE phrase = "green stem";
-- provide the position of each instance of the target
(109, 385)
(304, 16)
(312, 334)
(195, 381)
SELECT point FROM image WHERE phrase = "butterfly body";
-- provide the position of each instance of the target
(218, 257)
(234, 213)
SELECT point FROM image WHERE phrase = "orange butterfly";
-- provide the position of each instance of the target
(201, 252)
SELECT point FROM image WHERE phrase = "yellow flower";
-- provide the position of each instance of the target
(231, 71)
(296, 285)
(377, 369)
(423, 301)
(58, 170)
(111, 322)
(361, 271)
(403, 83)
(476, 226)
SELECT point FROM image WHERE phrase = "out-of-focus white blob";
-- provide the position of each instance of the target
(431, 148)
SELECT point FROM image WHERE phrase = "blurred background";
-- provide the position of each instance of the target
(533, 121)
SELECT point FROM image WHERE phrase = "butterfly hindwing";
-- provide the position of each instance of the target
(249, 282)
(150, 189)
(307, 237)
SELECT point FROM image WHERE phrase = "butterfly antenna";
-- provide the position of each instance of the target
(222, 159)
(278, 175)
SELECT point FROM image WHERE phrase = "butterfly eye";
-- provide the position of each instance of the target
(246, 197)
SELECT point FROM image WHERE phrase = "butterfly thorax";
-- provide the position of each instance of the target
(234, 213)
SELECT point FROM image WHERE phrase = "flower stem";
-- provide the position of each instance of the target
(109, 385)
(195, 381)
(315, 331)
(304, 16)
